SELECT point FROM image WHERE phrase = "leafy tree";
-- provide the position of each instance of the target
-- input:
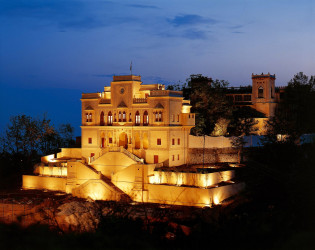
(25, 140)
(295, 114)
(243, 121)
(215, 114)
(208, 101)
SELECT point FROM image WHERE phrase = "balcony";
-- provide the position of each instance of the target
(166, 93)
(140, 100)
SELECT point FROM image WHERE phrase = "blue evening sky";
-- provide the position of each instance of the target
(52, 50)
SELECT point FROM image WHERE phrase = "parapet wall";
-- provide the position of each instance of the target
(41, 182)
(211, 155)
(70, 152)
(209, 142)
(190, 196)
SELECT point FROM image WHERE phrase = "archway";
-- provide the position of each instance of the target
(102, 121)
(103, 140)
(123, 140)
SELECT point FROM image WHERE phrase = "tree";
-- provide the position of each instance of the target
(26, 138)
(215, 114)
(295, 114)
(208, 101)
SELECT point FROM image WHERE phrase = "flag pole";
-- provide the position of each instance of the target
(131, 68)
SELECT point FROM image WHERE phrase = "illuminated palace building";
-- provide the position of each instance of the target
(262, 96)
(136, 146)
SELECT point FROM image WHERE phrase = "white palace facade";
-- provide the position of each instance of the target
(136, 146)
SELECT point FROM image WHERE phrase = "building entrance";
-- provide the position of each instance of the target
(123, 140)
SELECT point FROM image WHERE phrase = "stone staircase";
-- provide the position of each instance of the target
(123, 196)
(118, 149)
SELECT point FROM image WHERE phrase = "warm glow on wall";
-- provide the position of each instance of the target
(186, 109)
(216, 200)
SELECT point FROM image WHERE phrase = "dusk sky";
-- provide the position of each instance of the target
(51, 50)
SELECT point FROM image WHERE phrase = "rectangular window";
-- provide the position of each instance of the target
(238, 98)
(110, 140)
(173, 118)
(173, 141)
(160, 116)
(178, 141)
(156, 159)
(158, 141)
(173, 157)
(90, 140)
(177, 118)
(177, 157)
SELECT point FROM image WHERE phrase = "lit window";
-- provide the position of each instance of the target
(87, 117)
(124, 116)
(90, 140)
(119, 116)
(160, 116)
(137, 122)
(178, 141)
(109, 119)
(130, 117)
(158, 141)
(145, 118)
(90, 117)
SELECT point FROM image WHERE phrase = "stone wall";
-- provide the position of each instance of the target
(211, 155)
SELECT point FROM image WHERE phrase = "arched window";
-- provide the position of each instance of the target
(130, 117)
(124, 116)
(119, 116)
(90, 117)
(137, 120)
(145, 118)
(110, 119)
(260, 92)
(87, 117)
(102, 121)
(115, 120)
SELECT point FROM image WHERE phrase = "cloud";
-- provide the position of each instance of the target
(195, 34)
(188, 20)
(237, 27)
(191, 34)
(66, 14)
(143, 6)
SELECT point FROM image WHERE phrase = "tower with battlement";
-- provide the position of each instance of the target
(263, 93)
